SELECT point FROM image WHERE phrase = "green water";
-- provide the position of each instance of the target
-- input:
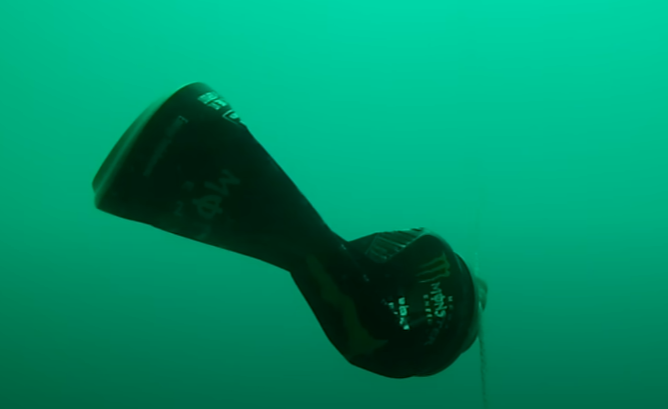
(545, 122)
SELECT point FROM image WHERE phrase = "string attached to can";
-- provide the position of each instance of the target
(476, 272)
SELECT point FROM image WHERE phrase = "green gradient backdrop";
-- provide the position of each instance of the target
(551, 116)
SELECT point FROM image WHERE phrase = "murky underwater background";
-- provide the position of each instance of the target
(545, 123)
